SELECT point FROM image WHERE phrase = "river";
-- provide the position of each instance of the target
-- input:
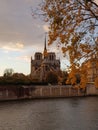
(50, 114)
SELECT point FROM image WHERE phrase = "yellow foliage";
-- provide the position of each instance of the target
(64, 49)
(83, 75)
(72, 23)
(83, 81)
(73, 80)
(72, 75)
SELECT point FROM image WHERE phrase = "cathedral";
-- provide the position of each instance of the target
(43, 63)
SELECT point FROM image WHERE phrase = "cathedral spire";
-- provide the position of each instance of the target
(45, 48)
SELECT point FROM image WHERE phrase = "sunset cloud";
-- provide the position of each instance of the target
(13, 46)
(46, 28)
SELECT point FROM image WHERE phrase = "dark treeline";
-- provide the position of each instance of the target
(10, 78)
(19, 81)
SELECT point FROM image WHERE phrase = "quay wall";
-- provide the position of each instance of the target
(56, 91)
(32, 92)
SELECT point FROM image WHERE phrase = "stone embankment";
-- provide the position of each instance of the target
(56, 91)
(34, 92)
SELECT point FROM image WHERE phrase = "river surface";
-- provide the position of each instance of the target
(50, 114)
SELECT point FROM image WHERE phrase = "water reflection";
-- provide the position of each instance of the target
(56, 114)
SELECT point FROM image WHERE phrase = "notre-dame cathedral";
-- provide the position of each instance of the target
(44, 63)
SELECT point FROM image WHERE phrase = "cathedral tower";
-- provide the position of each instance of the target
(45, 49)
(43, 63)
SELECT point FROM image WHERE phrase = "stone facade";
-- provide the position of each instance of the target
(44, 63)
(92, 69)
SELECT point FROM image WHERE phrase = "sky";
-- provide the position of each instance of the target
(21, 35)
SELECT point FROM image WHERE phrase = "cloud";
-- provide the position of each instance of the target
(46, 28)
(24, 58)
(12, 46)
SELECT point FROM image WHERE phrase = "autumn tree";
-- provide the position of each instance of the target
(64, 77)
(74, 25)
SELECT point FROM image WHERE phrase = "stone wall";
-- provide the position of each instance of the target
(56, 91)
(32, 92)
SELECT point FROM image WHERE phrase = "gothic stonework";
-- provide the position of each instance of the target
(92, 69)
(44, 63)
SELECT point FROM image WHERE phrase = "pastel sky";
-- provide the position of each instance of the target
(20, 35)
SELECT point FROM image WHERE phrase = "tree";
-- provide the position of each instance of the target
(8, 72)
(74, 25)
(64, 77)
(52, 78)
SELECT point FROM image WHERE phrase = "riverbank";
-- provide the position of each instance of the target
(20, 92)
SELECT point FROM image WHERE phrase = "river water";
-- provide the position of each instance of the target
(50, 114)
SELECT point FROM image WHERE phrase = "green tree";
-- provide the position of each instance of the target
(8, 72)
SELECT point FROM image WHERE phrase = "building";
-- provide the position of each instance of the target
(44, 63)
(92, 69)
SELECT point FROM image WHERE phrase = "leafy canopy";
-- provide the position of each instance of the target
(74, 25)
